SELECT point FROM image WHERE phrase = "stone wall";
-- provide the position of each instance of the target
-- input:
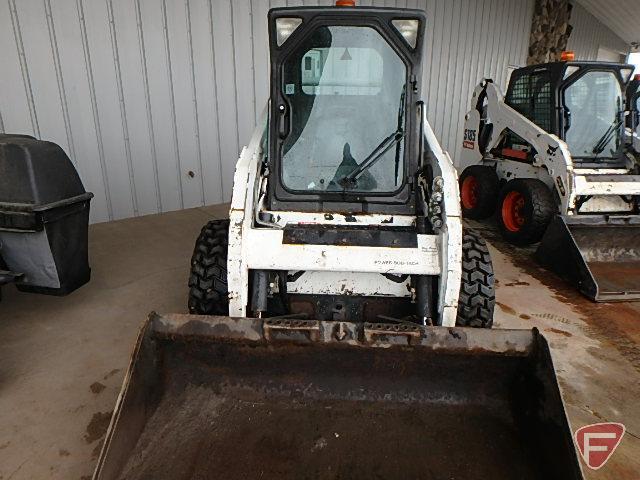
(550, 30)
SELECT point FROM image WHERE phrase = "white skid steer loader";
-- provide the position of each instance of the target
(322, 341)
(346, 206)
(550, 160)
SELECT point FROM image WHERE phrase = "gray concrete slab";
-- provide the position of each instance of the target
(595, 347)
(62, 360)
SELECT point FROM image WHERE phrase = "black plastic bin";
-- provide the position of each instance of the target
(44, 216)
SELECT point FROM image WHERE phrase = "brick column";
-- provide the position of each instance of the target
(550, 30)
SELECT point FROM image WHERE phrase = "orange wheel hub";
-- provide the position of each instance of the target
(513, 211)
(469, 192)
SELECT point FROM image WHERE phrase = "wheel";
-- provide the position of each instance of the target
(477, 295)
(208, 293)
(478, 192)
(526, 207)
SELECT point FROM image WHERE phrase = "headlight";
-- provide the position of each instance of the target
(408, 29)
(626, 74)
(285, 27)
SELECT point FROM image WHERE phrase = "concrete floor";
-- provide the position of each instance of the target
(62, 360)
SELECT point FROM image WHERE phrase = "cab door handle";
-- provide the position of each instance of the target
(283, 121)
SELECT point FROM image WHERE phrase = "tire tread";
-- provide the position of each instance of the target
(208, 289)
(543, 208)
(487, 194)
(477, 298)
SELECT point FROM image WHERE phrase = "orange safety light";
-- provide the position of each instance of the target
(345, 3)
(567, 56)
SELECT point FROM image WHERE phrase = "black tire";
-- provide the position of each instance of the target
(477, 295)
(485, 192)
(208, 291)
(536, 212)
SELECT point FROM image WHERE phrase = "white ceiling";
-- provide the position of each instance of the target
(621, 16)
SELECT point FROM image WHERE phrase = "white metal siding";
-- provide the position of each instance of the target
(141, 92)
(589, 34)
(621, 16)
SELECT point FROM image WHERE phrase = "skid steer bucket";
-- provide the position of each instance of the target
(599, 254)
(237, 398)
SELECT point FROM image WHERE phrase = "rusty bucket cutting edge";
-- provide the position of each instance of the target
(599, 254)
(232, 398)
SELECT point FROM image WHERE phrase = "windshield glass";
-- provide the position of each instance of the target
(595, 104)
(345, 86)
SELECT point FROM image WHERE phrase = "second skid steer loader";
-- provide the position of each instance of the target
(322, 341)
(549, 159)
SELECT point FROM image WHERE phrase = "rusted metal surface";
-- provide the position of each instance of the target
(293, 327)
(212, 397)
(405, 332)
(357, 308)
(600, 256)
(596, 347)
(617, 278)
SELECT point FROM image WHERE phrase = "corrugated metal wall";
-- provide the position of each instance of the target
(589, 35)
(621, 16)
(153, 99)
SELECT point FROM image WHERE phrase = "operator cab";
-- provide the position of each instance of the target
(343, 125)
(633, 103)
(583, 103)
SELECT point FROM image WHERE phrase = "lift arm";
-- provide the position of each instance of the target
(551, 153)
